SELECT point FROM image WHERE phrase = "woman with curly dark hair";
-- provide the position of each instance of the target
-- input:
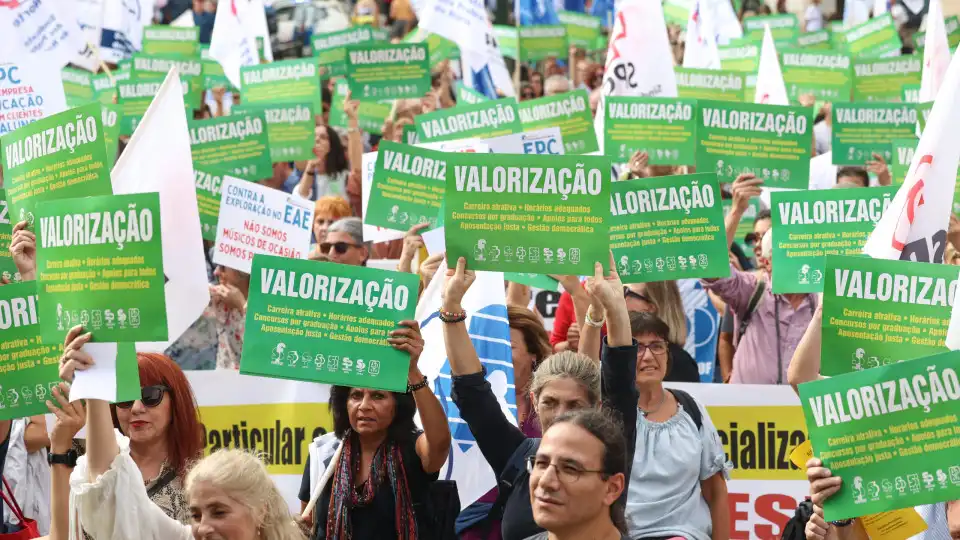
(370, 477)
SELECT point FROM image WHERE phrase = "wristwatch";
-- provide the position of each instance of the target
(69, 458)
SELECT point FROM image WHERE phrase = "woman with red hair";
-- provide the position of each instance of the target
(163, 425)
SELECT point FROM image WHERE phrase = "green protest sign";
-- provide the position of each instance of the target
(388, 71)
(537, 281)
(110, 119)
(570, 112)
(807, 225)
(370, 114)
(874, 38)
(902, 157)
(664, 128)
(860, 129)
(327, 322)
(8, 270)
(409, 135)
(30, 369)
(889, 432)
(408, 186)
(190, 69)
(542, 41)
(678, 217)
(100, 264)
(484, 120)
(105, 87)
(825, 74)
(58, 157)
(771, 141)
(214, 77)
(910, 93)
(883, 79)
(675, 12)
(172, 40)
(710, 84)
(77, 86)
(877, 312)
(582, 29)
(330, 50)
(527, 213)
(134, 97)
(289, 80)
(208, 182)
(952, 25)
(235, 144)
(290, 128)
(507, 39)
(744, 57)
(923, 113)
(468, 96)
(785, 28)
(814, 40)
(439, 48)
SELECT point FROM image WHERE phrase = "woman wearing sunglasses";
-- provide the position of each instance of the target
(163, 426)
(678, 484)
(344, 242)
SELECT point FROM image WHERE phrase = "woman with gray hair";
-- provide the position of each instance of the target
(344, 242)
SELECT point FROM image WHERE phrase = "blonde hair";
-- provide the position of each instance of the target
(245, 478)
(666, 296)
(569, 364)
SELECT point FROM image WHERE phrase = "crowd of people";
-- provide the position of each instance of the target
(599, 449)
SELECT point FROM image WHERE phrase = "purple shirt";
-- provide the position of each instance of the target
(755, 361)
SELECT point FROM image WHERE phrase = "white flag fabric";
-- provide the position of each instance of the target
(936, 54)
(185, 20)
(770, 87)
(44, 29)
(880, 7)
(639, 59)
(89, 15)
(254, 18)
(232, 45)
(489, 329)
(724, 20)
(914, 226)
(121, 34)
(856, 12)
(35, 87)
(701, 45)
(157, 159)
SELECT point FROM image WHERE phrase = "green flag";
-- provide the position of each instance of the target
(860, 129)
(290, 128)
(100, 264)
(484, 120)
(58, 157)
(807, 225)
(527, 213)
(770, 141)
(288, 80)
(388, 71)
(878, 312)
(883, 79)
(669, 227)
(710, 84)
(327, 322)
(570, 112)
(235, 144)
(664, 128)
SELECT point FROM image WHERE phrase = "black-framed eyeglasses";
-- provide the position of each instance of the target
(150, 396)
(630, 293)
(566, 472)
(657, 348)
(339, 247)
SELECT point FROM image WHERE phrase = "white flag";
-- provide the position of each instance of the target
(38, 89)
(122, 32)
(639, 59)
(39, 27)
(701, 45)
(89, 15)
(936, 54)
(489, 329)
(770, 87)
(157, 159)
(724, 20)
(185, 20)
(232, 44)
(914, 226)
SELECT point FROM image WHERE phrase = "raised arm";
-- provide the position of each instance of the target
(23, 247)
(351, 109)
(70, 419)
(745, 187)
(805, 365)
(463, 357)
(433, 445)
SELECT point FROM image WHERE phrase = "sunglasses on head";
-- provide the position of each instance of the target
(630, 293)
(150, 396)
(339, 247)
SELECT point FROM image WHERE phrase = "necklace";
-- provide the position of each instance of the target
(663, 397)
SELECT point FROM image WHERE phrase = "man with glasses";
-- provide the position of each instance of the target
(767, 326)
(344, 242)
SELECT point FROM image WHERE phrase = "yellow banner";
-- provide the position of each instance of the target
(759, 439)
(281, 432)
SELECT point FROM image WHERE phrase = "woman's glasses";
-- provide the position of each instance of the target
(630, 293)
(339, 247)
(657, 348)
(150, 396)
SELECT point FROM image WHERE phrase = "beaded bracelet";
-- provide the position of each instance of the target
(414, 387)
(451, 317)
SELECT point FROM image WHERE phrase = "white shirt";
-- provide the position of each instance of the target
(814, 18)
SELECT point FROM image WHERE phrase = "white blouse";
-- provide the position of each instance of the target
(115, 506)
